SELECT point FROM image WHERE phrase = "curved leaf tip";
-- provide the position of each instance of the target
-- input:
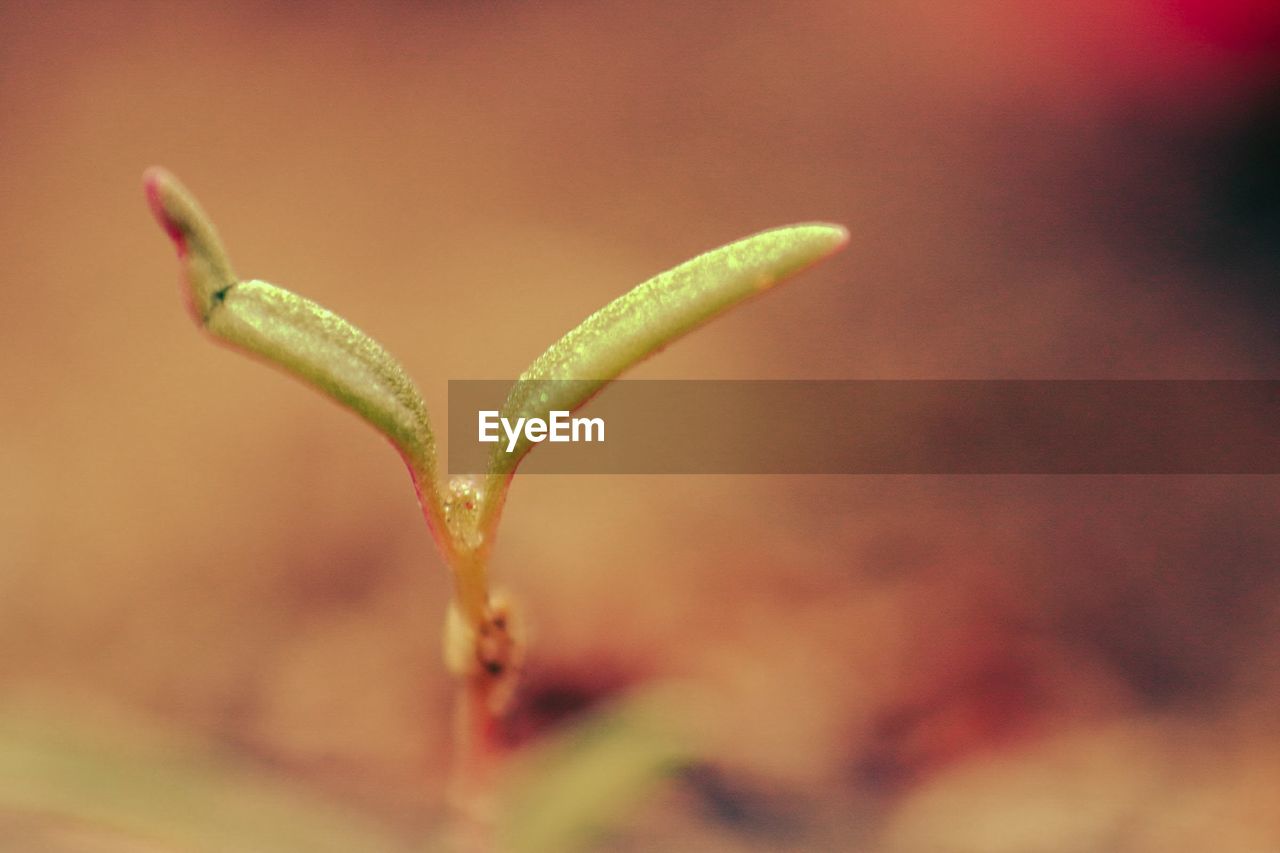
(155, 181)
(825, 238)
(204, 262)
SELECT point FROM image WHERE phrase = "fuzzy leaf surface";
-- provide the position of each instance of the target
(649, 317)
(327, 352)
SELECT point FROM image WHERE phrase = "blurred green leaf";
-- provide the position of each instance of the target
(569, 789)
(166, 792)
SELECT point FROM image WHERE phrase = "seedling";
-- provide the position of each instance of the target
(484, 645)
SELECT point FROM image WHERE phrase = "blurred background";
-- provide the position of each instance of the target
(1056, 190)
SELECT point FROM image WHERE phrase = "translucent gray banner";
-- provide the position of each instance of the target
(880, 427)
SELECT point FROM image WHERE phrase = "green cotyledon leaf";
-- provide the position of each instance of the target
(640, 323)
(306, 340)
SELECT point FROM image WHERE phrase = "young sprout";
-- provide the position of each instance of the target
(482, 640)
(332, 355)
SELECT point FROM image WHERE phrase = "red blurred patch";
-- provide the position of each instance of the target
(987, 704)
(1240, 26)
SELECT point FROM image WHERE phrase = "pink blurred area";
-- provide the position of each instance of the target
(1050, 190)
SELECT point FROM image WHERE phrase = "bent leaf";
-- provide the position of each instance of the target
(204, 262)
(640, 323)
(328, 353)
(309, 341)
